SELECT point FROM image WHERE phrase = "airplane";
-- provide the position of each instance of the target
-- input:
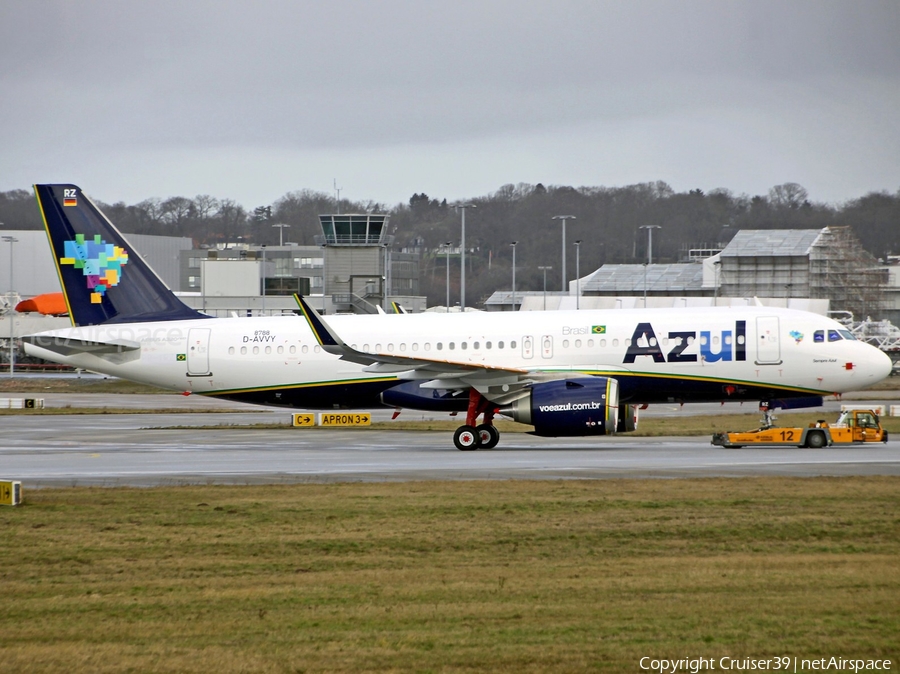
(566, 373)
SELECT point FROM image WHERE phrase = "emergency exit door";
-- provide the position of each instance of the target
(768, 343)
(198, 352)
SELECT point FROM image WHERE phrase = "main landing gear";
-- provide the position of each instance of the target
(480, 436)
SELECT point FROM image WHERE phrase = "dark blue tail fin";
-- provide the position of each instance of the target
(103, 278)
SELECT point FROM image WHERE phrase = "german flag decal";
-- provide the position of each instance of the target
(598, 329)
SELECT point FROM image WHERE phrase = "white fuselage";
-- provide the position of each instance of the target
(778, 349)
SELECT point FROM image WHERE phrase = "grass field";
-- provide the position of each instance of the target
(539, 576)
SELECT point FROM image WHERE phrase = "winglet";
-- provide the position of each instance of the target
(398, 308)
(326, 337)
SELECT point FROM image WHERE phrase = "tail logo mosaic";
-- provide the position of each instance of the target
(100, 262)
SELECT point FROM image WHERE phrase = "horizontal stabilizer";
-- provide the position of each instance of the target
(67, 346)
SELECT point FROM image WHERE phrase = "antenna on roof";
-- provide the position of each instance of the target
(337, 199)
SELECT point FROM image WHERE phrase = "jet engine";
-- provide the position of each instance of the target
(573, 407)
(628, 418)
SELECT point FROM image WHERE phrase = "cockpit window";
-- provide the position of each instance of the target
(847, 334)
(834, 336)
(819, 336)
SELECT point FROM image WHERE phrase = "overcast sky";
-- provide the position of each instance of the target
(250, 100)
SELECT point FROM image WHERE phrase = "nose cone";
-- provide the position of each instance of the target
(879, 366)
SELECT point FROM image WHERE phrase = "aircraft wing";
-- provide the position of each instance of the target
(498, 384)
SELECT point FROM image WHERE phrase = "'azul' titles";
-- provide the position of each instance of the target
(730, 345)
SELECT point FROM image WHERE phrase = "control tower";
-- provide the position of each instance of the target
(356, 257)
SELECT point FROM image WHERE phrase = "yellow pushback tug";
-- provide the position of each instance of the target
(852, 427)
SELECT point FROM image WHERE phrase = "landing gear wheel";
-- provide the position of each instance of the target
(488, 436)
(815, 440)
(466, 438)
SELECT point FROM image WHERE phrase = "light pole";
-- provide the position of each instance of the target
(280, 233)
(387, 267)
(462, 257)
(447, 257)
(545, 270)
(649, 229)
(264, 280)
(324, 275)
(717, 265)
(645, 284)
(578, 275)
(513, 244)
(12, 354)
(564, 218)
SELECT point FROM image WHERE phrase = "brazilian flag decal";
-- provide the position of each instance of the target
(598, 329)
(181, 356)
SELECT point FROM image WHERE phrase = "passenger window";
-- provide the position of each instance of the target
(602, 343)
(305, 349)
(255, 350)
(615, 342)
(577, 343)
(834, 336)
(428, 346)
(230, 350)
(403, 347)
(499, 345)
(293, 349)
(390, 347)
(464, 346)
(440, 346)
(451, 346)
(280, 349)
(317, 348)
(728, 339)
(415, 347)
(365, 347)
(565, 343)
(487, 345)
(474, 346)
(512, 344)
(819, 336)
(243, 350)
(378, 347)
(740, 340)
(268, 349)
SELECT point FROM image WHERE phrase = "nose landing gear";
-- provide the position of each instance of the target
(480, 436)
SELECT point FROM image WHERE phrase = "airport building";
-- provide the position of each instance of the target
(821, 270)
(343, 273)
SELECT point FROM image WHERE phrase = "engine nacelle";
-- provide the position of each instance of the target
(582, 406)
(628, 418)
